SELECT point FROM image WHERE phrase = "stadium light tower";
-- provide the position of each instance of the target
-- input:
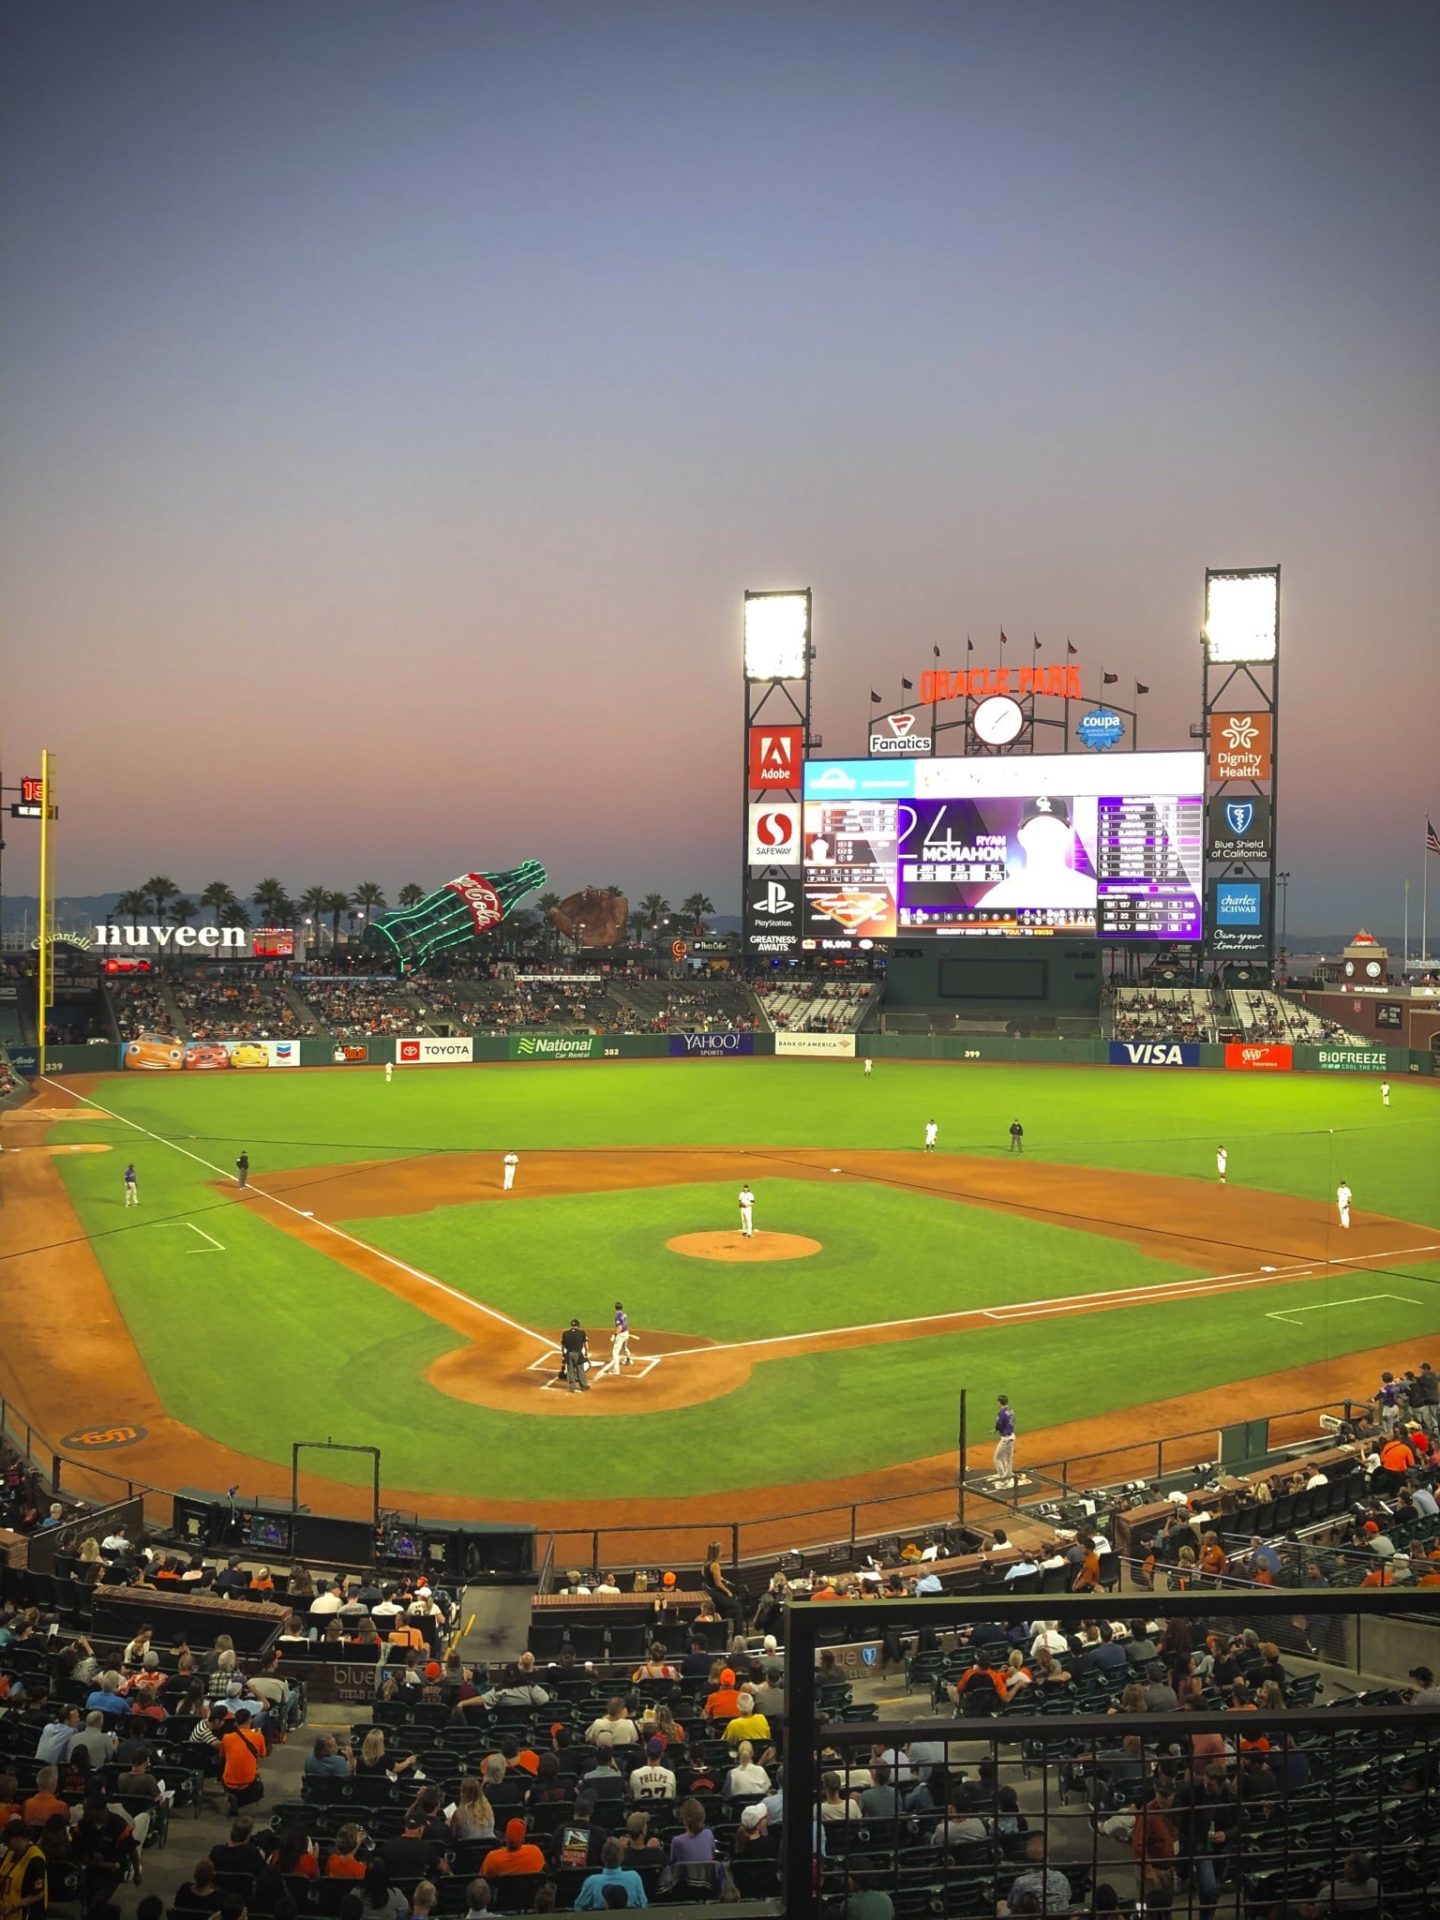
(777, 654)
(1240, 643)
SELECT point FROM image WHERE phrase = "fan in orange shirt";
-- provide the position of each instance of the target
(1213, 1559)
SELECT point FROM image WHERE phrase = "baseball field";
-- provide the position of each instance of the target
(376, 1286)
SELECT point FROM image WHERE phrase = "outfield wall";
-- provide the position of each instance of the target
(487, 1050)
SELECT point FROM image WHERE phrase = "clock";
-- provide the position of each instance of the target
(998, 720)
(1373, 969)
(1349, 969)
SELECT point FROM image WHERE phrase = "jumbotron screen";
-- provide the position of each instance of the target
(1106, 845)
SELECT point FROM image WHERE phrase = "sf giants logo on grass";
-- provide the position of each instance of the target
(777, 755)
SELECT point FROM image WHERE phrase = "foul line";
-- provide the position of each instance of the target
(203, 1235)
(401, 1266)
(1162, 1290)
(1359, 1300)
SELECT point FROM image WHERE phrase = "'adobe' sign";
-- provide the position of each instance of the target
(777, 755)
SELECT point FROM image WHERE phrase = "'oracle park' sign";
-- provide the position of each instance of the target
(223, 937)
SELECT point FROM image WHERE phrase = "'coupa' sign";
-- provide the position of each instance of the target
(223, 937)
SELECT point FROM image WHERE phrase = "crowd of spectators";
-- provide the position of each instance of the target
(714, 1007)
(233, 1003)
(814, 1006)
(1163, 1013)
(140, 1006)
(506, 1005)
(363, 1006)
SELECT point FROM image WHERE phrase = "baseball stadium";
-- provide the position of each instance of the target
(996, 1211)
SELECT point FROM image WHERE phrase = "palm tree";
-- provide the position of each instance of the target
(654, 907)
(182, 911)
(521, 930)
(217, 899)
(314, 903)
(134, 905)
(411, 894)
(276, 907)
(697, 905)
(335, 905)
(614, 892)
(638, 924)
(549, 931)
(158, 891)
(366, 898)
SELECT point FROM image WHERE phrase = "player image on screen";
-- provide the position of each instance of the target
(1048, 877)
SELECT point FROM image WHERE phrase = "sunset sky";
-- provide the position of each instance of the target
(398, 399)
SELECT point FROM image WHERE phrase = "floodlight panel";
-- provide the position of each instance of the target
(777, 635)
(1242, 616)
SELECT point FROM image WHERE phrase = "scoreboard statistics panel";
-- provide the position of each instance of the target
(1108, 846)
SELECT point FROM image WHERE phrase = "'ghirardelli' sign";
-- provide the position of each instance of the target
(224, 937)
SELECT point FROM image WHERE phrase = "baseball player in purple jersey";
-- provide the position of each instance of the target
(619, 1344)
(1004, 1443)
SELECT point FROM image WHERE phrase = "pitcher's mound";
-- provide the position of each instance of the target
(735, 1246)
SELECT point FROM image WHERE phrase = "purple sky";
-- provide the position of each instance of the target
(397, 401)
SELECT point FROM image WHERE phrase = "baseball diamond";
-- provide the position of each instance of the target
(389, 1297)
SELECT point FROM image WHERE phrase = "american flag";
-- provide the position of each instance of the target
(1432, 839)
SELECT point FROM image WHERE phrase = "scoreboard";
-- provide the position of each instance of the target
(1110, 846)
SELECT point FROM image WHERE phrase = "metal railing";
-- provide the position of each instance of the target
(1026, 1799)
(849, 1525)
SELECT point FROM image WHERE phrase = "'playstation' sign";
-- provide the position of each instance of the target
(1238, 829)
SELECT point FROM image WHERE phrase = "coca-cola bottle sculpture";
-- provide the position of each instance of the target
(453, 916)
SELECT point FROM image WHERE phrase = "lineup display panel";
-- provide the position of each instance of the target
(1109, 846)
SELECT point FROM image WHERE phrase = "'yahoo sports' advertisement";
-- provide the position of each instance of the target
(710, 1046)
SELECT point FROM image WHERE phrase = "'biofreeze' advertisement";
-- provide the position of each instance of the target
(1027, 844)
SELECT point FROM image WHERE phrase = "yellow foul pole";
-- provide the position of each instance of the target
(47, 957)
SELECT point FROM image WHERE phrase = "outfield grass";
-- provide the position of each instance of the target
(318, 1349)
(1288, 1133)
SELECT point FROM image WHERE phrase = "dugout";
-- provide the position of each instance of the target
(1030, 986)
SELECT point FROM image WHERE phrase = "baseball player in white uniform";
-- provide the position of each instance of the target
(869, 1066)
(389, 1071)
(747, 1212)
(1222, 1160)
(619, 1345)
(1384, 1093)
(1342, 1202)
(512, 1161)
(932, 1134)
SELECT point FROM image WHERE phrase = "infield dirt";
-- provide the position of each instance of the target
(69, 1358)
